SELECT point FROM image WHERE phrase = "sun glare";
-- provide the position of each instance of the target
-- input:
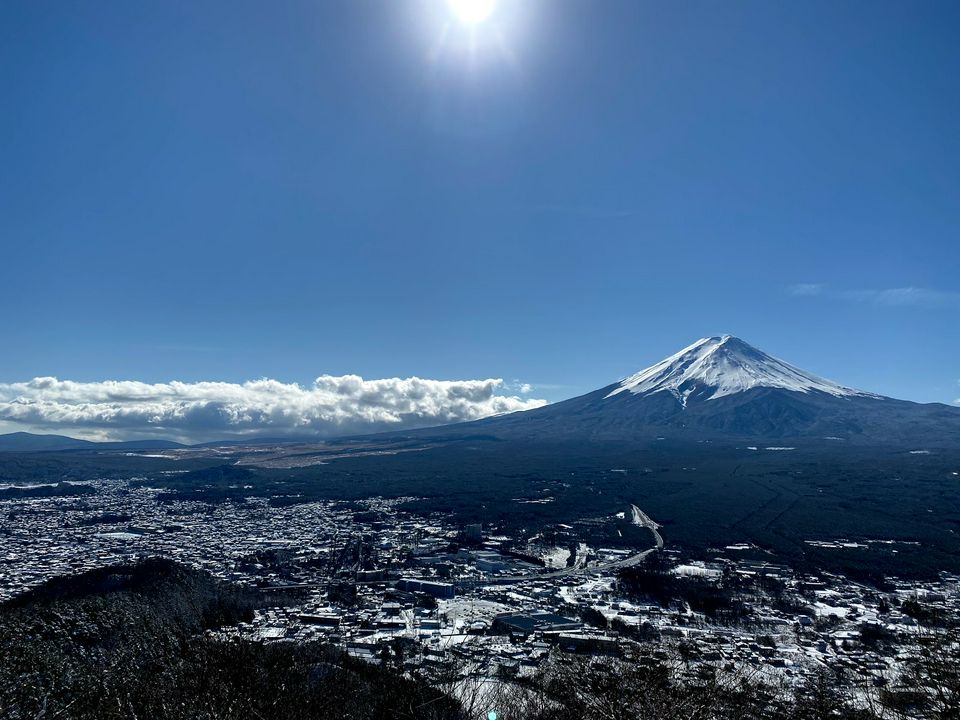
(472, 12)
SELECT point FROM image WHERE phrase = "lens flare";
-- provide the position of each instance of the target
(472, 12)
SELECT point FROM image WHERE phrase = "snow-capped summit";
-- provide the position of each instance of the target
(720, 388)
(723, 365)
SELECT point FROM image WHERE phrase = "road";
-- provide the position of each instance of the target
(639, 518)
(642, 519)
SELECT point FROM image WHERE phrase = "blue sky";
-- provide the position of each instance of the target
(206, 191)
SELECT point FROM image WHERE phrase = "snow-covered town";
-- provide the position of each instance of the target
(379, 581)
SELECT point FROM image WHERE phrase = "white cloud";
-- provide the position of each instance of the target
(210, 410)
(889, 297)
(905, 296)
(805, 289)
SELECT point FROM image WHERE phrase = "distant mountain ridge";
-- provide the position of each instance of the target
(32, 442)
(35, 442)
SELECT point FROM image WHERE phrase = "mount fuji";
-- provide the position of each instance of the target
(718, 366)
(722, 387)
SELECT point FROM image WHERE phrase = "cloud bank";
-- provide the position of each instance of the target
(203, 411)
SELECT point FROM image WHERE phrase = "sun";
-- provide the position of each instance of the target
(472, 12)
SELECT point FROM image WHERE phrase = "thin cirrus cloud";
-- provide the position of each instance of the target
(890, 297)
(332, 405)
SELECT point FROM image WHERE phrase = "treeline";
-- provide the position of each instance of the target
(653, 581)
(60, 489)
(129, 642)
(670, 688)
